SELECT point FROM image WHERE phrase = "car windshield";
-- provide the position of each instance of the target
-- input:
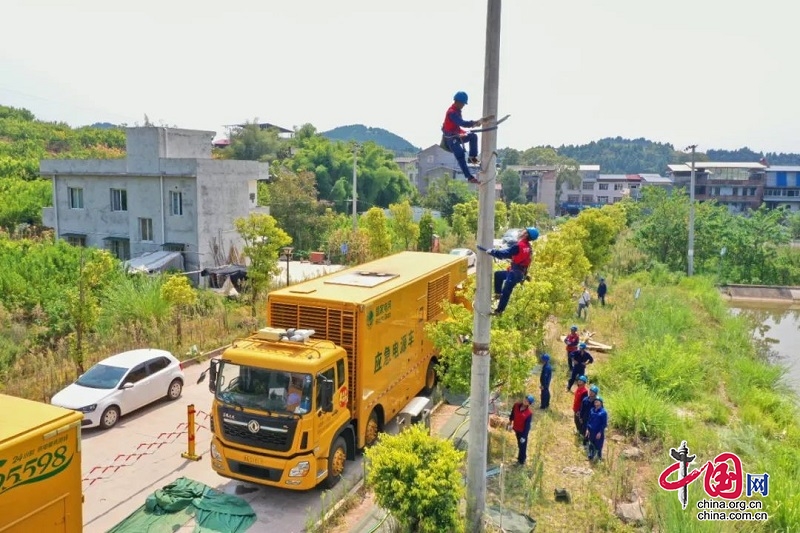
(102, 377)
(263, 388)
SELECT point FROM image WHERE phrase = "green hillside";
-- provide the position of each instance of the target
(360, 133)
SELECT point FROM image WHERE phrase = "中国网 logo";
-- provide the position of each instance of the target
(723, 477)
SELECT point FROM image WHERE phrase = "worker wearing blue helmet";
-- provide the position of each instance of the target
(454, 136)
(521, 255)
(520, 421)
(580, 359)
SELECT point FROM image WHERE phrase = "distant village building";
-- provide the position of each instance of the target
(167, 194)
(738, 186)
(782, 187)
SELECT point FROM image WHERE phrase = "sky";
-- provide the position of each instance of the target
(719, 74)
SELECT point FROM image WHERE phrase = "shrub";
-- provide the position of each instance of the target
(416, 477)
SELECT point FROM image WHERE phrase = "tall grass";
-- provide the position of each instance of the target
(639, 411)
(688, 370)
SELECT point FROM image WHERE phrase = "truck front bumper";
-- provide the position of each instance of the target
(298, 473)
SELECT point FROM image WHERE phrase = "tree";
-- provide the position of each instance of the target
(403, 226)
(83, 301)
(250, 142)
(21, 201)
(525, 215)
(425, 232)
(444, 193)
(602, 228)
(263, 241)
(510, 180)
(377, 229)
(293, 203)
(179, 293)
(416, 477)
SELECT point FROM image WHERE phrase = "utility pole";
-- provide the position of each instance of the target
(479, 384)
(355, 191)
(691, 214)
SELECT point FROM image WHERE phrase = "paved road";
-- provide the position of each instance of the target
(125, 464)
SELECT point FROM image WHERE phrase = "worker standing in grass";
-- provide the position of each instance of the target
(544, 381)
(586, 408)
(520, 421)
(583, 303)
(596, 430)
(580, 393)
(602, 289)
(580, 359)
(572, 341)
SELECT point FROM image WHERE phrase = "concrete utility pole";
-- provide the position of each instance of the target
(691, 214)
(355, 191)
(479, 385)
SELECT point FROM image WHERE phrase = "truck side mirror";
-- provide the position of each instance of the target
(212, 379)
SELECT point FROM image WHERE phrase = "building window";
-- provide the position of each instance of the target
(120, 248)
(76, 240)
(146, 229)
(119, 200)
(588, 186)
(603, 186)
(75, 197)
(602, 199)
(573, 198)
(587, 199)
(619, 186)
(780, 179)
(175, 203)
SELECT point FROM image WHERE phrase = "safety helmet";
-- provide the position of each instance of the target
(533, 233)
(595, 389)
(574, 328)
(545, 357)
(582, 345)
(531, 399)
(583, 378)
(461, 96)
(598, 398)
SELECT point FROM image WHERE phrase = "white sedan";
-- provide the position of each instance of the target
(465, 252)
(122, 383)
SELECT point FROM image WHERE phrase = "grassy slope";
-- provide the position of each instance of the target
(682, 368)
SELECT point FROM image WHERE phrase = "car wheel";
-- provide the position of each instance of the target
(109, 417)
(336, 461)
(175, 389)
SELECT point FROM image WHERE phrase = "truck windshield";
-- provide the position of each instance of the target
(264, 388)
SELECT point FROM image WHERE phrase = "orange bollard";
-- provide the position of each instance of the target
(190, 453)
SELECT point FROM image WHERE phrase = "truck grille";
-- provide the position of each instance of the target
(336, 325)
(276, 434)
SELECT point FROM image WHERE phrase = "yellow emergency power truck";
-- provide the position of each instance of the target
(343, 355)
(40, 468)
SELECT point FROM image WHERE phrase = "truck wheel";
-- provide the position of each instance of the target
(109, 417)
(430, 378)
(174, 390)
(371, 435)
(336, 462)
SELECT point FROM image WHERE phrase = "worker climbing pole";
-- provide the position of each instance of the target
(479, 386)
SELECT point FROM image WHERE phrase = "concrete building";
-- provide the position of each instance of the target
(597, 190)
(435, 162)
(409, 167)
(538, 184)
(739, 186)
(166, 194)
(782, 187)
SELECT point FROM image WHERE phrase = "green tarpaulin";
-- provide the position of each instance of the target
(172, 506)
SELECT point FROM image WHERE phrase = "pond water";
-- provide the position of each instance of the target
(779, 328)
